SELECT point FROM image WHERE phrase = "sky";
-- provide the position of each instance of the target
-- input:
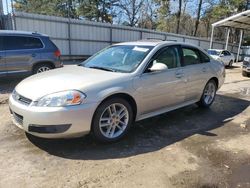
(5, 7)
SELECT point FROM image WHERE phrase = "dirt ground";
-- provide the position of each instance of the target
(189, 147)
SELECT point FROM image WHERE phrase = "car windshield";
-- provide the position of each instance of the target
(120, 58)
(213, 52)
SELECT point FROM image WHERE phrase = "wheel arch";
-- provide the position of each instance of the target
(124, 96)
(43, 62)
(216, 81)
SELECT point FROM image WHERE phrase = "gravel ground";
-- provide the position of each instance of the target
(188, 147)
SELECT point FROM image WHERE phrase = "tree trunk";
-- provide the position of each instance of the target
(179, 17)
(198, 18)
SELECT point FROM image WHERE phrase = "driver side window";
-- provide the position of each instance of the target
(168, 56)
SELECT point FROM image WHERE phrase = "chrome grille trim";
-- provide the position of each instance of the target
(20, 98)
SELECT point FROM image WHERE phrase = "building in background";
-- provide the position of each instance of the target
(248, 4)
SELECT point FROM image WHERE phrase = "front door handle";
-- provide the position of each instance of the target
(179, 75)
(204, 69)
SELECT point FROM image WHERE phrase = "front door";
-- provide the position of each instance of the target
(164, 89)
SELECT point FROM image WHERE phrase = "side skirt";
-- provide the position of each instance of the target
(164, 110)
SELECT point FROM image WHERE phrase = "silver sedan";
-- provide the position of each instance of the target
(119, 85)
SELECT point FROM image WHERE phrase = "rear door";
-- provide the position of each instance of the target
(21, 52)
(2, 59)
(197, 71)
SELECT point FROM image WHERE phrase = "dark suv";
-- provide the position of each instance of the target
(23, 53)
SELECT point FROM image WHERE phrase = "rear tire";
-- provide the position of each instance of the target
(208, 94)
(112, 120)
(42, 68)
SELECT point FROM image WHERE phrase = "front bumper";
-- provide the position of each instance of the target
(246, 69)
(53, 122)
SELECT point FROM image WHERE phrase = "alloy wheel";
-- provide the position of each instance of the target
(209, 93)
(43, 69)
(114, 120)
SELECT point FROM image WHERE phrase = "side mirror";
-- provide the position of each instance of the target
(158, 67)
(221, 55)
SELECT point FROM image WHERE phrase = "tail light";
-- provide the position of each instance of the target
(57, 53)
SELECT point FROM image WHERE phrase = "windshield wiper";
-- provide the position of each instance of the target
(103, 68)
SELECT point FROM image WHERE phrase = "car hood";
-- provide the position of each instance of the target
(67, 78)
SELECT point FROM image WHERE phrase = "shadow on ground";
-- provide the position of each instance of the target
(151, 134)
(232, 67)
(8, 84)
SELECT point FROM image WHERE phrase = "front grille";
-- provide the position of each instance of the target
(18, 118)
(24, 100)
(21, 98)
(245, 63)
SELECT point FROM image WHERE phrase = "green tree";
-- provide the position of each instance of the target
(221, 10)
(163, 13)
(131, 9)
(97, 10)
(47, 7)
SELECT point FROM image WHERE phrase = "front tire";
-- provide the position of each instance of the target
(208, 94)
(112, 120)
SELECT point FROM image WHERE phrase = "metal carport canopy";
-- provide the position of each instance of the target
(239, 21)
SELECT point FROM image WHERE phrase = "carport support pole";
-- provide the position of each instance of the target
(211, 39)
(238, 54)
(228, 33)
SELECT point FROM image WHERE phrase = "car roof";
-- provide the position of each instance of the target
(15, 32)
(141, 43)
(146, 42)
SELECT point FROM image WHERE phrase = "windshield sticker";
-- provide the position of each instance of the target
(139, 49)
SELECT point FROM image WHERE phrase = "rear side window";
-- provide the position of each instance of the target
(191, 56)
(20, 42)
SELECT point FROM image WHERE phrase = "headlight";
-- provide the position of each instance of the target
(64, 98)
